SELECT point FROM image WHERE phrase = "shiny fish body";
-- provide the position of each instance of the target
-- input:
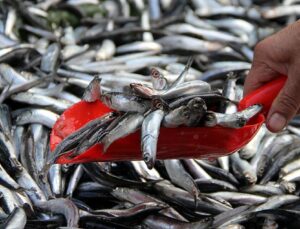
(128, 125)
(126, 103)
(157, 64)
(149, 136)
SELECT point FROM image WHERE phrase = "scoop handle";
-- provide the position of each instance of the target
(264, 95)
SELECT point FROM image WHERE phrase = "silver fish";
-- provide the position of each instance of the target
(149, 136)
(17, 219)
(236, 120)
(126, 103)
(129, 124)
(180, 177)
(50, 58)
(41, 116)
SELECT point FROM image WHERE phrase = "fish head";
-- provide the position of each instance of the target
(197, 103)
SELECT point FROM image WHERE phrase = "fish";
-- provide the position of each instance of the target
(34, 115)
(243, 169)
(236, 198)
(159, 82)
(177, 117)
(125, 103)
(129, 124)
(73, 139)
(74, 180)
(180, 177)
(17, 219)
(149, 136)
(62, 206)
(236, 120)
(93, 92)
(155, 64)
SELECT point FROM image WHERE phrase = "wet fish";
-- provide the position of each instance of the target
(41, 116)
(236, 120)
(159, 82)
(55, 52)
(180, 177)
(129, 124)
(17, 219)
(149, 136)
(126, 103)
(62, 206)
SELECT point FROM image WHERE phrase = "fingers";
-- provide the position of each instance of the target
(259, 74)
(263, 68)
(286, 105)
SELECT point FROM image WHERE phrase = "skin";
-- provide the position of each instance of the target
(278, 55)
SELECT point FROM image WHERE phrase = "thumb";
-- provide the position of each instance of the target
(285, 106)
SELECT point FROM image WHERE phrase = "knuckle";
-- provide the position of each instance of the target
(288, 103)
(260, 47)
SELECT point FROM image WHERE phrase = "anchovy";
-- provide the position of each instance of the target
(142, 169)
(252, 147)
(10, 201)
(159, 82)
(217, 172)
(265, 190)
(156, 221)
(185, 199)
(10, 75)
(140, 46)
(106, 51)
(278, 164)
(10, 53)
(129, 124)
(73, 139)
(126, 103)
(236, 120)
(186, 89)
(135, 57)
(41, 100)
(180, 177)
(237, 198)
(5, 120)
(198, 109)
(185, 43)
(74, 180)
(31, 188)
(17, 219)
(229, 10)
(116, 214)
(207, 34)
(243, 169)
(55, 179)
(178, 116)
(8, 155)
(149, 136)
(290, 167)
(210, 185)
(276, 202)
(41, 116)
(62, 206)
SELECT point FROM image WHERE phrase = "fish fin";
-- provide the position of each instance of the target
(181, 77)
(106, 143)
(93, 90)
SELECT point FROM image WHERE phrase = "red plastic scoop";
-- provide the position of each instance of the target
(183, 142)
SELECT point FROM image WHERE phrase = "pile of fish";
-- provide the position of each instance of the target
(149, 108)
(50, 53)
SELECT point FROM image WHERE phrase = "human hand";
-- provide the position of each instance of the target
(277, 55)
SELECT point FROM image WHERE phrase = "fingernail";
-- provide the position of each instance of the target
(276, 122)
